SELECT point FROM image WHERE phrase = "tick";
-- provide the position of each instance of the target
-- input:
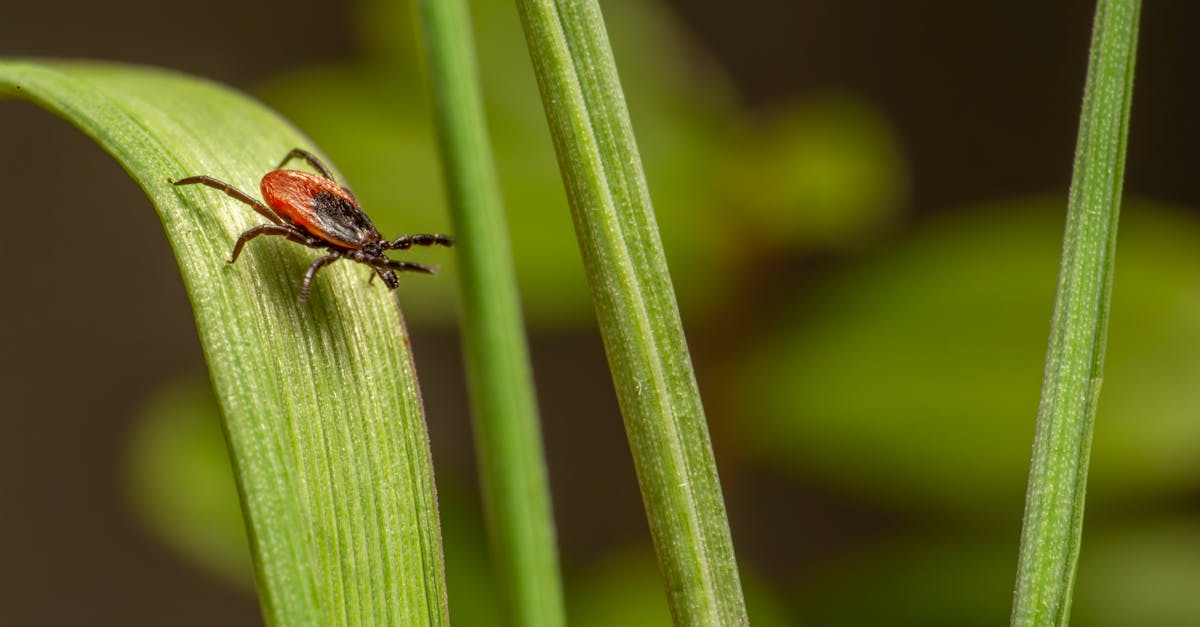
(314, 210)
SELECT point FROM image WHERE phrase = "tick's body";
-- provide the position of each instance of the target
(319, 206)
(317, 212)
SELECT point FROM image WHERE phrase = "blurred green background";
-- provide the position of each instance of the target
(862, 205)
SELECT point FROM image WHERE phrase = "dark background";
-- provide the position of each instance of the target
(985, 97)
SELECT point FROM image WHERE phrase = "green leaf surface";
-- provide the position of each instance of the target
(636, 308)
(321, 409)
(1053, 521)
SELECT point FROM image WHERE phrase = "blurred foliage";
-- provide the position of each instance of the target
(1142, 574)
(913, 378)
(818, 172)
(630, 577)
(625, 589)
(911, 582)
(471, 581)
(181, 483)
(1128, 575)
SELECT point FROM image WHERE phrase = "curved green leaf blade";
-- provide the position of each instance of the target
(321, 408)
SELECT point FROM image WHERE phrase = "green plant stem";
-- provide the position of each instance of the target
(636, 308)
(320, 403)
(508, 441)
(1054, 501)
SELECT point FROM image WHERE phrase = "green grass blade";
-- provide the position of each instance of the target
(636, 308)
(512, 469)
(1054, 501)
(321, 408)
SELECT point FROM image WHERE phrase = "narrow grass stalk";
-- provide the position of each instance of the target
(508, 441)
(1054, 501)
(636, 308)
(320, 404)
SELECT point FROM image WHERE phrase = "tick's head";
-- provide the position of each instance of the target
(373, 249)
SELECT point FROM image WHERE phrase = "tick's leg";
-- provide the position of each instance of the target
(405, 242)
(233, 192)
(283, 230)
(312, 272)
(402, 266)
(312, 160)
(389, 277)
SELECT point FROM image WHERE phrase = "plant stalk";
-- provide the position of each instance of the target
(636, 309)
(1054, 501)
(507, 436)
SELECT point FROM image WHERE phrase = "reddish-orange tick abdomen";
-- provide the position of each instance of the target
(319, 206)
